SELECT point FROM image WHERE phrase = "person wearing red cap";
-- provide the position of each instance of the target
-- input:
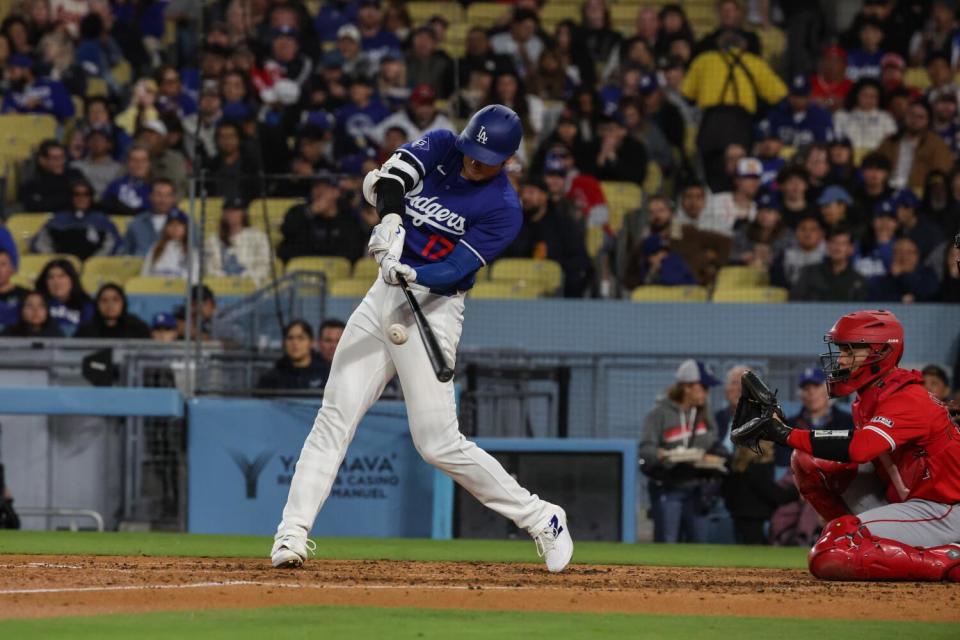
(913, 445)
(892, 68)
(830, 85)
(420, 116)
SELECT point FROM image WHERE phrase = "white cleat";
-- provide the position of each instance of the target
(289, 551)
(554, 543)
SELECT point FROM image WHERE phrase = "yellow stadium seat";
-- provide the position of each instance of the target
(657, 293)
(751, 294)
(209, 210)
(917, 77)
(121, 223)
(594, 240)
(621, 198)
(366, 268)
(420, 12)
(503, 290)
(32, 264)
(773, 43)
(486, 14)
(24, 226)
(122, 72)
(334, 267)
(653, 182)
(156, 285)
(32, 127)
(741, 277)
(623, 17)
(97, 87)
(231, 285)
(99, 270)
(553, 14)
(544, 275)
(350, 288)
(21, 280)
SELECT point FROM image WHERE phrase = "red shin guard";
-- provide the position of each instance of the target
(821, 483)
(848, 551)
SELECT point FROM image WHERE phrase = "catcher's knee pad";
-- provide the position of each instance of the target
(822, 482)
(848, 551)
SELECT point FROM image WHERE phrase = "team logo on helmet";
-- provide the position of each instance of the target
(482, 135)
(423, 143)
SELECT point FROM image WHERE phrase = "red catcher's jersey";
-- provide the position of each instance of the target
(925, 460)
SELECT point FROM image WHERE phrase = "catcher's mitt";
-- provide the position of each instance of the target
(758, 415)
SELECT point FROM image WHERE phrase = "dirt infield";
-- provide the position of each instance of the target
(43, 586)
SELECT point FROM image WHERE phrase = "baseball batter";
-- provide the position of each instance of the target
(446, 210)
(909, 438)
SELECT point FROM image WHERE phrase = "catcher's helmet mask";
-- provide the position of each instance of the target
(880, 331)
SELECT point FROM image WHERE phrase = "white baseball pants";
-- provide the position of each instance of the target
(365, 361)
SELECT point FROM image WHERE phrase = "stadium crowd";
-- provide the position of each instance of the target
(773, 142)
(651, 156)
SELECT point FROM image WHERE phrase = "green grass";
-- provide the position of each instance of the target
(179, 544)
(401, 624)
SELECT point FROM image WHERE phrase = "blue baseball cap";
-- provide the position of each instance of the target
(800, 85)
(906, 198)
(811, 375)
(834, 193)
(164, 320)
(765, 131)
(695, 371)
(178, 216)
(285, 30)
(887, 208)
(555, 164)
(768, 200)
(648, 84)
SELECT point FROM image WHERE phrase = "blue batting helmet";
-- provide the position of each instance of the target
(492, 135)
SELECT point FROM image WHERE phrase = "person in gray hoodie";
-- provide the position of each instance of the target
(682, 492)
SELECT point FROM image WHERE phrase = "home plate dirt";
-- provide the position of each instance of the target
(43, 586)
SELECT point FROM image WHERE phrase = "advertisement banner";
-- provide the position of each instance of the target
(242, 454)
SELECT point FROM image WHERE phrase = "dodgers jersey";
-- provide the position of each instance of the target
(444, 209)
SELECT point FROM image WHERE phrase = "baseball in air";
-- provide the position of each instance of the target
(397, 333)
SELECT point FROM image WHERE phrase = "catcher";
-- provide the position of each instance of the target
(907, 435)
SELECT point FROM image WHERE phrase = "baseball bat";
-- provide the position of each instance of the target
(443, 372)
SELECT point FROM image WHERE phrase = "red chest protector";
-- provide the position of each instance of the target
(925, 460)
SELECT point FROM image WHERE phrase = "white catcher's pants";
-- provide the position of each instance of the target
(365, 361)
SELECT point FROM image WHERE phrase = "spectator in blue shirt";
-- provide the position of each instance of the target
(864, 61)
(796, 121)
(333, 15)
(144, 230)
(9, 246)
(129, 194)
(97, 52)
(171, 96)
(81, 230)
(656, 263)
(375, 39)
(11, 295)
(769, 146)
(70, 306)
(924, 233)
(357, 119)
(908, 280)
(29, 94)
